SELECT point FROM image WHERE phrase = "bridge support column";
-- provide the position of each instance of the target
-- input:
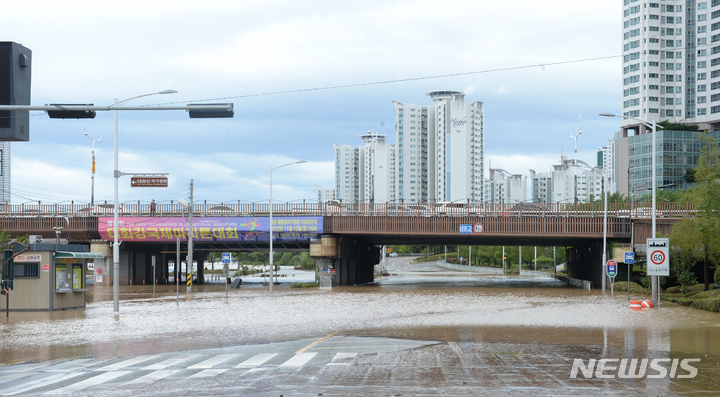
(356, 262)
(585, 263)
(200, 257)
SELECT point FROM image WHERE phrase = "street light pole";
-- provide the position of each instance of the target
(653, 129)
(272, 266)
(191, 233)
(92, 178)
(575, 165)
(116, 177)
(604, 259)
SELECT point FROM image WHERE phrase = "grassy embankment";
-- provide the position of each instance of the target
(694, 297)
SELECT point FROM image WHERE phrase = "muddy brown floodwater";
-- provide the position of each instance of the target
(442, 307)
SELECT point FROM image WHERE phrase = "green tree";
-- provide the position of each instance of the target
(668, 126)
(214, 257)
(306, 262)
(6, 238)
(707, 174)
(285, 259)
(684, 236)
(689, 175)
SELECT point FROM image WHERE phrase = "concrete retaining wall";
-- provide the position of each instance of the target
(465, 268)
(526, 273)
(572, 281)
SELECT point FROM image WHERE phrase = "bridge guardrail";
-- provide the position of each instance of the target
(204, 209)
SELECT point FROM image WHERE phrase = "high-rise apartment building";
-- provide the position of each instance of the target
(505, 188)
(570, 181)
(542, 184)
(438, 156)
(366, 173)
(671, 71)
(378, 170)
(324, 194)
(412, 171)
(440, 149)
(347, 173)
(671, 62)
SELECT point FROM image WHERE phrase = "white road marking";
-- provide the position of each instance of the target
(78, 364)
(94, 381)
(125, 363)
(253, 371)
(256, 360)
(38, 383)
(170, 362)
(209, 363)
(14, 376)
(337, 360)
(208, 373)
(298, 360)
(29, 367)
(153, 376)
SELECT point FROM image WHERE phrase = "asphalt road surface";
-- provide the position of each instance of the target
(423, 331)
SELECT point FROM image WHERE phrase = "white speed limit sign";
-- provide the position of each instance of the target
(658, 263)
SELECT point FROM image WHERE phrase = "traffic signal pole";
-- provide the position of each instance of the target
(8, 272)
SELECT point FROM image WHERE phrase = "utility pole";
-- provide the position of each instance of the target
(190, 236)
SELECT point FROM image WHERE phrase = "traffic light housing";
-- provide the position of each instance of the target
(197, 111)
(61, 113)
(15, 72)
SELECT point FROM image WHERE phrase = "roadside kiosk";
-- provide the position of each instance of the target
(50, 277)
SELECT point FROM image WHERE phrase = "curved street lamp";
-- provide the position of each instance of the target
(272, 267)
(116, 175)
(653, 128)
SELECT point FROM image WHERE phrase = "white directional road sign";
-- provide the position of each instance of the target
(226, 257)
(658, 263)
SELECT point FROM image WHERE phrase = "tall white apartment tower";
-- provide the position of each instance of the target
(458, 136)
(377, 175)
(412, 175)
(671, 69)
(439, 150)
(347, 173)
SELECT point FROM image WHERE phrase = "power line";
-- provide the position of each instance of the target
(384, 82)
(439, 76)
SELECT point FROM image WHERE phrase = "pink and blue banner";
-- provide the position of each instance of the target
(212, 229)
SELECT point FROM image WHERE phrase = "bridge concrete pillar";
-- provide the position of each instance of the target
(200, 257)
(356, 262)
(585, 262)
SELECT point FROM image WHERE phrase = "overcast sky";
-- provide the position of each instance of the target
(246, 52)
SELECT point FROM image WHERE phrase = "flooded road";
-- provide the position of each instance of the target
(537, 317)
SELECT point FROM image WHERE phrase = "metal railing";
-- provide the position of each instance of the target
(241, 209)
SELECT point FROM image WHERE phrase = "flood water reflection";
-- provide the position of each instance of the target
(450, 306)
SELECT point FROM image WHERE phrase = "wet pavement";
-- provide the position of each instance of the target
(436, 330)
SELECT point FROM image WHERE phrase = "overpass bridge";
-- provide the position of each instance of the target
(358, 229)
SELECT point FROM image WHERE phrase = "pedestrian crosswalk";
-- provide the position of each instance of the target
(81, 376)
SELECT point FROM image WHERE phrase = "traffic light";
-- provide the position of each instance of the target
(15, 67)
(61, 113)
(197, 111)
(8, 271)
(505, 257)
